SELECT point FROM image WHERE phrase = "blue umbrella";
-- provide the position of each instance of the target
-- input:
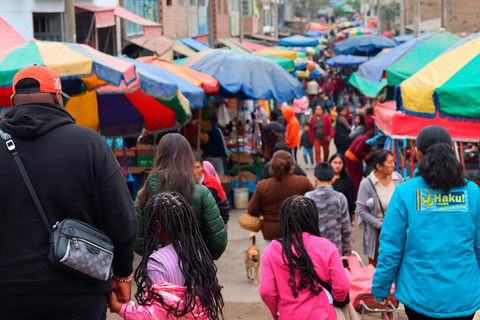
(298, 41)
(249, 76)
(153, 79)
(346, 61)
(314, 33)
(363, 45)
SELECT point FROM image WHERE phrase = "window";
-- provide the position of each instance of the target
(225, 6)
(147, 9)
(246, 8)
(48, 26)
(201, 3)
(180, 3)
(169, 2)
(192, 3)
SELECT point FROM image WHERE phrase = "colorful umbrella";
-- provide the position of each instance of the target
(308, 50)
(314, 33)
(207, 83)
(355, 31)
(10, 37)
(348, 9)
(79, 66)
(298, 41)
(363, 45)
(447, 85)
(345, 25)
(346, 61)
(249, 76)
(388, 34)
(318, 27)
(279, 53)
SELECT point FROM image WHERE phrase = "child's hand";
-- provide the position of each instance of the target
(114, 304)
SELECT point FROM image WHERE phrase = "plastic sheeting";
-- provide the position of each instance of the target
(398, 125)
(249, 76)
(363, 45)
(346, 61)
(298, 41)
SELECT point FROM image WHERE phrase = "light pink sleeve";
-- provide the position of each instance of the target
(268, 288)
(207, 166)
(338, 277)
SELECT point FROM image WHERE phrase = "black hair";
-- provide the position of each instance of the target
(170, 213)
(274, 115)
(343, 173)
(439, 166)
(214, 119)
(306, 124)
(362, 119)
(28, 85)
(197, 157)
(280, 146)
(369, 110)
(298, 214)
(324, 172)
(378, 156)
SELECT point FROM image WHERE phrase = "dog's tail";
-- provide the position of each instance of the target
(252, 237)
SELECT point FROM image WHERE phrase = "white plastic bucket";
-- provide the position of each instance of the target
(240, 198)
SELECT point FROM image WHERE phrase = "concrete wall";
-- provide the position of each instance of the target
(221, 26)
(19, 15)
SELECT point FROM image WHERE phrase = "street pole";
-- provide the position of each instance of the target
(416, 18)
(402, 17)
(210, 23)
(70, 32)
(240, 19)
(275, 22)
(447, 15)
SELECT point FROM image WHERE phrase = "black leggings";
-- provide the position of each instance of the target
(413, 315)
(82, 306)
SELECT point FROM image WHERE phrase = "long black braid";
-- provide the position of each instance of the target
(170, 212)
(298, 214)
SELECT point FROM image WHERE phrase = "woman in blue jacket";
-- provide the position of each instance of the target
(430, 239)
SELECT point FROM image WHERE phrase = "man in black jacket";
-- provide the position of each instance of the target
(280, 146)
(75, 175)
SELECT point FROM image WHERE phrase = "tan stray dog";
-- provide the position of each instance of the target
(252, 259)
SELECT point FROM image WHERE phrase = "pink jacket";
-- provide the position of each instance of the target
(300, 105)
(277, 295)
(171, 294)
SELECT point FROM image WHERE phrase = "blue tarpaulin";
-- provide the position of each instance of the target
(346, 61)
(154, 79)
(314, 33)
(249, 76)
(194, 44)
(298, 41)
(373, 70)
(363, 45)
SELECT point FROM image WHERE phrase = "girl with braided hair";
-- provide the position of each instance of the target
(296, 268)
(179, 280)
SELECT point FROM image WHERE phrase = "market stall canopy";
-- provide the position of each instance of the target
(207, 83)
(298, 41)
(248, 76)
(363, 45)
(318, 27)
(346, 61)
(79, 66)
(370, 79)
(345, 25)
(10, 37)
(398, 125)
(314, 33)
(105, 17)
(447, 86)
(194, 44)
(419, 57)
(148, 102)
(387, 34)
(236, 46)
(287, 64)
(356, 31)
(162, 46)
(194, 94)
(279, 53)
(251, 45)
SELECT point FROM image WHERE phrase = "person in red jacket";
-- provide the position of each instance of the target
(293, 131)
(321, 132)
(355, 154)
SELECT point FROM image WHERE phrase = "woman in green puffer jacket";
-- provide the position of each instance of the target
(174, 172)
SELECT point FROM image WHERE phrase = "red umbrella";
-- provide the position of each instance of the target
(388, 34)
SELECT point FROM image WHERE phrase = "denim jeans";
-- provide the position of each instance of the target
(300, 118)
(306, 152)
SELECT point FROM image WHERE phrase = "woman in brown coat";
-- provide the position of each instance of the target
(270, 193)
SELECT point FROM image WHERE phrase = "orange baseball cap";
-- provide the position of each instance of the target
(47, 78)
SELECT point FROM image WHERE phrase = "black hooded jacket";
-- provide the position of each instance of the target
(75, 175)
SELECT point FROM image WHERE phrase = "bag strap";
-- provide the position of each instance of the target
(376, 194)
(11, 147)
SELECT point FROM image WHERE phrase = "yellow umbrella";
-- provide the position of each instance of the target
(279, 53)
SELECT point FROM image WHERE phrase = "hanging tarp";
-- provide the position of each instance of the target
(346, 61)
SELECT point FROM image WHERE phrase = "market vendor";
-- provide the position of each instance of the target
(215, 151)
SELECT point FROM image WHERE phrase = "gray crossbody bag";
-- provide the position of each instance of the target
(75, 246)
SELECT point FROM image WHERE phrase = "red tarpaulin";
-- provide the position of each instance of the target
(398, 125)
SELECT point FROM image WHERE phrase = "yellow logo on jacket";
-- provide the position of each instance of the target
(431, 200)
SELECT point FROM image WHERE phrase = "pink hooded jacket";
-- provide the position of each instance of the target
(172, 294)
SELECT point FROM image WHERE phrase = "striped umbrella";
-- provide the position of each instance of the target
(356, 31)
(447, 85)
(318, 27)
(79, 66)
(207, 83)
(345, 25)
